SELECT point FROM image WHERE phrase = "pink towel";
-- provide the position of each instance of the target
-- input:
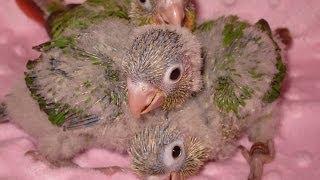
(297, 145)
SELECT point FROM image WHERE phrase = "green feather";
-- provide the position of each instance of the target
(226, 98)
(82, 16)
(54, 6)
(264, 26)
(57, 113)
(276, 83)
(206, 26)
(255, 74)
(61, 42)
(233, 30)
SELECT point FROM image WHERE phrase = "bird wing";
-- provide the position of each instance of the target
(76, 80)
(243, 66)
(83, 16)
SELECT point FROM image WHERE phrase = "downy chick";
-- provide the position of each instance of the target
(178, 145)
(61, 17)
(240, 82)
(73, 100)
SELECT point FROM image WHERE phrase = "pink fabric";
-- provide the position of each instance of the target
(297, 145)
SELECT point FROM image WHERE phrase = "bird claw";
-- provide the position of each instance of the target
(111, 170)
(259, 154)
(38, 157)
(35, 155)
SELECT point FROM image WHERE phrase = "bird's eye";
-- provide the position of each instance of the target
(173, 74)
(146, 4)
(174, 154)
(176, 151)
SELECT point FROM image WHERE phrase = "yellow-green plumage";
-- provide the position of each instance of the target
(84, 15)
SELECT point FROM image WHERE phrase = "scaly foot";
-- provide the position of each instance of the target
(259, 154)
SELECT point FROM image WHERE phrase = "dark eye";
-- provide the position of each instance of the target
(176, 151)
(175, 74)
(142, 1)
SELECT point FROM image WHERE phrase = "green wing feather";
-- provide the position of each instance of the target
(243, 65)
(90, 12)
(75, 91)
(78, 82)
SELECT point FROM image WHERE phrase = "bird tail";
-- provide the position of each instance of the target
(281, 35)
(40, 10)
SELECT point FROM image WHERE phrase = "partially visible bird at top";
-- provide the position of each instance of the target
(174, 12)
(234, 90)
(57, 15)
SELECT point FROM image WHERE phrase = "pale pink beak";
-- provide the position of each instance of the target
(171, 12)
(143, 97)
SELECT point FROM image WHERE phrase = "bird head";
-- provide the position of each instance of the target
(163, 150)
(173, 12)
(163, 68)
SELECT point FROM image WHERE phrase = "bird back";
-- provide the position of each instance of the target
(243, 69)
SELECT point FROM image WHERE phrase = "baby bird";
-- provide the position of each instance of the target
(74, 96)
(240, 83)
(61, 17)
(183, 141)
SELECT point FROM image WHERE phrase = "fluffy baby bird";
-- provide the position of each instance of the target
(240, 83)
(74, 96)
(61, 17)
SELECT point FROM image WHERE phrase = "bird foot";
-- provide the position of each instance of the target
(259, 154)
(36, 156)
(2, 121)
(111, 170)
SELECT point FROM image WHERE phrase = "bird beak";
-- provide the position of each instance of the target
(171, 12)
(143, 97)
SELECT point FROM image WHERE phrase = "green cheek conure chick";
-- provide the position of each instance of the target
(72, 99)
(237, 88)
(180, 143)
(75, 98)
(61, 17)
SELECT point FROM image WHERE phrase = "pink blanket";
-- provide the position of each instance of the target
(297, 145)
